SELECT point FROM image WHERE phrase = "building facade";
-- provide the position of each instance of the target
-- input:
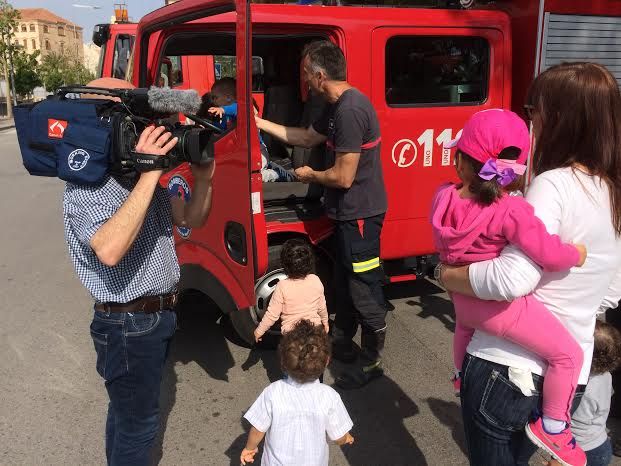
(40, 29)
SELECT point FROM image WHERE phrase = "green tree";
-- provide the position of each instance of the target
(51, 71)
(60, 70)
(26, 72)
(9, 19)
(77, 73)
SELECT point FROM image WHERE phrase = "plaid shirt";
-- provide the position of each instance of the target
(150, 266)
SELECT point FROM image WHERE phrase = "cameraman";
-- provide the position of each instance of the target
(120, 237)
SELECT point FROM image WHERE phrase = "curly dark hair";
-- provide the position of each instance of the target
(607, 351)
(304, 351)
(297, 258)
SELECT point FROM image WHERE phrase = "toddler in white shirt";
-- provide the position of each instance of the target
(297, 415)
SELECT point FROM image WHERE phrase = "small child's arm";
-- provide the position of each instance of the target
(323, 311)
(272, 314)
(345, 439)
(255, 437)
(524, 229)
(217, 111)
(230, 110)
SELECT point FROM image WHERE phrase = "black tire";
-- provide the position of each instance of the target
(245, 322)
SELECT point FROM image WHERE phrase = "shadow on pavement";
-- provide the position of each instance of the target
(201, 337)
(432, 305)
(381, 437)
(438, 308)
(234, 451)
(269, 358)
(449, 414)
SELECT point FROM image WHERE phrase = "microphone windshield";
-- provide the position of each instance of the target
(166, 100)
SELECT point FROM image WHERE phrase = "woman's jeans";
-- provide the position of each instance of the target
(495, 413)
(131, 352)
(600, 456)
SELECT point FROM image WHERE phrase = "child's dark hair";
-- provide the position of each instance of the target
(607, 351)
(225, 85)
(297, 258)
(304, 351)
(487, 192)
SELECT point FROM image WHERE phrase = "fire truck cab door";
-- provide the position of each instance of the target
(223, 246)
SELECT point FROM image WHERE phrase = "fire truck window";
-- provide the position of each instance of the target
(424, 70)
(225, 67)
(122, 51)
(176, 71)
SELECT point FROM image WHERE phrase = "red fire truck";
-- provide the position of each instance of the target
(426, 70)
(116, 42)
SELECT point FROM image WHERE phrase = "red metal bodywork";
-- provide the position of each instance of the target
(513, 31)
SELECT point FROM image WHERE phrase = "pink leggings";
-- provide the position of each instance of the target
(528, 323)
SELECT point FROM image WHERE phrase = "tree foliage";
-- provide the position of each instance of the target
(60, 70)
(9, 20)
(26, 72)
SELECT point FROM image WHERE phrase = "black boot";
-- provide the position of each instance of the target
(369, 366)
(342, 346)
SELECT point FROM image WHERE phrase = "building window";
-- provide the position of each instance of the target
(32, 28)
(440, 70)
(47, 45)
(25, 43)
(61, 31)
(62, 48)
(34, 44)
(24, 29)
(46, 28)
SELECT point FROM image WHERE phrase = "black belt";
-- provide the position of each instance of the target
(146, 304)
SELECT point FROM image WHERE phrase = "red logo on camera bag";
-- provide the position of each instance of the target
(56, 128)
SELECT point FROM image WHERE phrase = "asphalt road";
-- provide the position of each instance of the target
(52, 402)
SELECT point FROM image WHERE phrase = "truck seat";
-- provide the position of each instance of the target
(282, 105)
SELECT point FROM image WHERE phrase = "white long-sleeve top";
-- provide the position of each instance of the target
(575, 206)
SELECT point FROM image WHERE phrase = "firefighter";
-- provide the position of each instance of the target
(355, 199)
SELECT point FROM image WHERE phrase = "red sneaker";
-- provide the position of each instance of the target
(561, 446)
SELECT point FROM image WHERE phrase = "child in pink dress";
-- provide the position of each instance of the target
(473, 221)
(299, 296)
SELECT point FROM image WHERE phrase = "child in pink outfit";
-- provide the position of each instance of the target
(474, 221)
(297, 297)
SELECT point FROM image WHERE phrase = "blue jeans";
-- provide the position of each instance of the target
(283, 174)
(495, 412)
(131, 352)
(600, 456)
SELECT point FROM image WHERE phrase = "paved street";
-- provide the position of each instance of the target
(52, 407)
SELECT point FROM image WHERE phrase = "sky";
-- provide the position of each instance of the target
(87, 17)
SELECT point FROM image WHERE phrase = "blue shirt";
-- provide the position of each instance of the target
(150, 266)
(229, 117)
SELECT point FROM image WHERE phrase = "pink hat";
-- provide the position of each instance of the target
(488, 132)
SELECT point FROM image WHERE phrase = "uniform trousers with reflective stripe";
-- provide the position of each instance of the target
(358, 278)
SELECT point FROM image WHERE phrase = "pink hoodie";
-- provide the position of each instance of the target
(465, 231)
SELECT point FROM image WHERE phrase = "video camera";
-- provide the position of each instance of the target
(82, 140)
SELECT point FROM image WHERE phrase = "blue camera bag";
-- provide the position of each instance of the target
(66, 138)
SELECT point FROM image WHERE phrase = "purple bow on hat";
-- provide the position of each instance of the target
(504, 174)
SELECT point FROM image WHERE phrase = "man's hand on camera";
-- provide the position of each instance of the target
(155, 141)
(205, 171)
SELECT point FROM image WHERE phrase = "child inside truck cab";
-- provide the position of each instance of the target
(223, 96)
(472, 222)
(297, 415)
(298, 297)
